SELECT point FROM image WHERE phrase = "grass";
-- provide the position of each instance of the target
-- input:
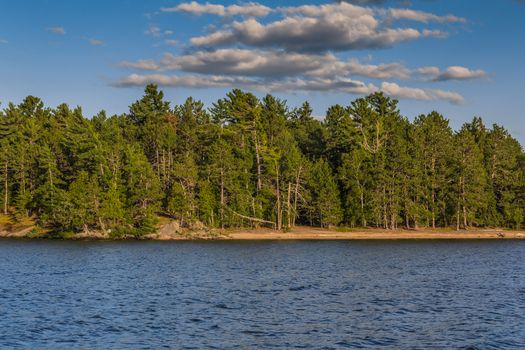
(349, 229)
(6, 220)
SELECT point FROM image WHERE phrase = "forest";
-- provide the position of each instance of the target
(250, 162)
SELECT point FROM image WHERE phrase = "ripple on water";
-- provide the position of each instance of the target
(305, 295)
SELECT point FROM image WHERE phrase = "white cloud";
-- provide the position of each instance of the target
(460, 73)
(3, 41)
(219, 37)
(240, 62)
(451, 73)
(346, 10)
(196, 8)
(397, 91)
(334, 32)
(250, 9)
(450, 96)
(296, 51)
(290, 85)
(268, 63)
(184, 81)
(316, 28)
(153, 31)
(364, 2)
(381, 71)
(140, 64)
(96, 42)
(57, 30)
(436, 33)
(156, 31)
(428, 71)
(419, 16)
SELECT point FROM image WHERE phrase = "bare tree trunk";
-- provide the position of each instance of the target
(363, 218)
(433, 210)
(393, 206)
(157, 161)
(254, 212)
(170, 164)
(296, 195)
(465, 223)
(278, 193)
(457, 215)
(163, 168)
(257, 158)
(252, 219)
(50, 176)
(6, 186)
(102, 226)
(433, 193)
(23, 184)
(222, 198)
(385, 214)
(288, 205)
(362, 200)
(493, 172)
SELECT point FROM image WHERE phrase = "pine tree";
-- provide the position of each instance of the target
(502, 162)
(207, 203)
(325, 204)
(309, 133)
(432, 138)
(250, 162)
(112, 213)
(51, 199)
(142, 190)
(150, 117)
(471, 180)
(84, 198)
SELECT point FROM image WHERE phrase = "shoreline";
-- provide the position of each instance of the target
(296, 234)
(375, 234)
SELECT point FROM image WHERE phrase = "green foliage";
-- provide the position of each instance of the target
(325, 204)
(250, 162)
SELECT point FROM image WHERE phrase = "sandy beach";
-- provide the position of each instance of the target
(309, 233)
(171, 231)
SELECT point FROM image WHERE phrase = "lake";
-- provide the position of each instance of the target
(262, 295)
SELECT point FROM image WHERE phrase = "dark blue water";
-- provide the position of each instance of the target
(256, 295)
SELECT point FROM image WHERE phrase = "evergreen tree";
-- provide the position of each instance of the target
(471, 180)
(432, 138)
(142, 190)
(309, 133)
(325, 205)
(249, 162)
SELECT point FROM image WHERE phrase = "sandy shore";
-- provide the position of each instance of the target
(308, 233)
(172, 232)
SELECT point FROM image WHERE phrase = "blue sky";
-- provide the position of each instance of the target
(460, 57)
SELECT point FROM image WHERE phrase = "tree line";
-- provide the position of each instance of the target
(248, 162)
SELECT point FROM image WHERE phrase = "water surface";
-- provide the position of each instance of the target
(262, 295)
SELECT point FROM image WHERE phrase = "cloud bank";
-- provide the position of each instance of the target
(300, 48)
